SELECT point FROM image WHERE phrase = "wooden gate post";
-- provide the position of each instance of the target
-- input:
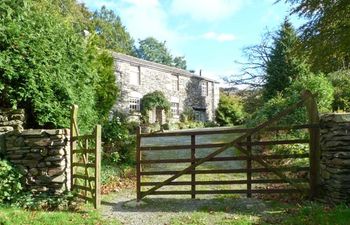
(138, 164)
(249, 167)
(98, 149)
(193, 161)
(73, 133)
(315, 151)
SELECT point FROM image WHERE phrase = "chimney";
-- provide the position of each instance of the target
(200, 72)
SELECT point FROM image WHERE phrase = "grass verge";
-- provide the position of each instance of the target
(17, 216)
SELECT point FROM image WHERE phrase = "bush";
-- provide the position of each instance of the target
(341, 83)
(10, 182)
(187, 115)
(230, 111)
(117, 138)
(45, 201)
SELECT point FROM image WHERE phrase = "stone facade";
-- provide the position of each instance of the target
(42, 156)
(335, 157)
(183, 89)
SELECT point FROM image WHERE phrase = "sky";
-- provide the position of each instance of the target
(211, 34)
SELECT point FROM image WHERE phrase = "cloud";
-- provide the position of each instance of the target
(145, 18)
(219, 36)
(208, 10)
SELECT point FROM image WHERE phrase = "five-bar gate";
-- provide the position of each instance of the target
(245, 142)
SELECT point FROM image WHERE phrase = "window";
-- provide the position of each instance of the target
(175, 108)
(175, 83)
(134, 104)
(205, 89)
(135, 75)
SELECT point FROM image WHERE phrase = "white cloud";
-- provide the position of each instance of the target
(209, 10)
(219, 36)
(144, 18)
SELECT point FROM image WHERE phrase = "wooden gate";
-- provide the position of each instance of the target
(245, 144)
(85, 161)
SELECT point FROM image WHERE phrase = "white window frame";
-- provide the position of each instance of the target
(205, 88)
(134, 104)
(175, 108)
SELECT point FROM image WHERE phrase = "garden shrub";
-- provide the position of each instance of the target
(187, 115)
(10, 182)
(230, 110)
(341, 83)
(118, 136)
(46, 201)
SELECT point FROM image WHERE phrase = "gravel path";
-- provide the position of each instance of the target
(161, 210)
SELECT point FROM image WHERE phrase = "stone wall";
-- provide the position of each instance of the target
(10, 120)
(42, 156)
(335, 157)
(179, 86)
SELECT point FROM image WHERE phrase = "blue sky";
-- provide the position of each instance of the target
(209, 33)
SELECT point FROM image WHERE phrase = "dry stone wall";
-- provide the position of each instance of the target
(10, 120)
(335, 157)
(42, 156)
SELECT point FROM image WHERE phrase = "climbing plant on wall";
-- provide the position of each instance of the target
(154, 100)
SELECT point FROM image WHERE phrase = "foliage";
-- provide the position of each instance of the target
(45, 201)
(230, 111)
(152, 50)
(187, 115)
(111, 32)
(317, 84)
(155, 51)
(326, 32)
(17, 216)
(283, 66)
(119, 140)
(105, 87)
(10, 183)
(180, 62)
(45, 66)
(341, 83)
(152, 101)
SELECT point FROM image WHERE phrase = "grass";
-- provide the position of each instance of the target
(316, 214)
(16, 216)
(274, 213)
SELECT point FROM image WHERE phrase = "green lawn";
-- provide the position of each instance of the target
(274, 213)
(14, 216)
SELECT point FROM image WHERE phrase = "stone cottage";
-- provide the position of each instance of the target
(184, 90)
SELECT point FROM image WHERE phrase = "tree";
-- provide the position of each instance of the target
(180, 62)
(283, 65)
(253, 72)
(45, 66)
(111, 32)
(326, 33)
(153, 50)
